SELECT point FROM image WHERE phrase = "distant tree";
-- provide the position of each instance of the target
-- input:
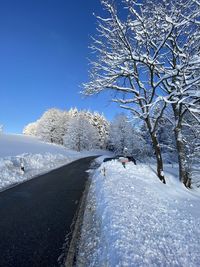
(122, 135)
(31, 129)
(51, 127)
(73, 112)
(102, 126)
(81, 135)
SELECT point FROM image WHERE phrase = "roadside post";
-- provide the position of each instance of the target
(123, 161)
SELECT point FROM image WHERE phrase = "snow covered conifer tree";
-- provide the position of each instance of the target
(80, 135)
(102, 126)
(98, 121)
(53, 125)
(73, 112)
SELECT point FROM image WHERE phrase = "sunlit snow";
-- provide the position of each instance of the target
(132, 219)
(36, 156)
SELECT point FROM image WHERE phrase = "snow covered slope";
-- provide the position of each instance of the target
(36, 157)
(13, 145)
(132, 219)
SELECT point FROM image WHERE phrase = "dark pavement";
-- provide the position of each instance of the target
(36, 216)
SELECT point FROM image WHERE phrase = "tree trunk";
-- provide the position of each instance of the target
(159, 160)
(157, 151)
(183, 174)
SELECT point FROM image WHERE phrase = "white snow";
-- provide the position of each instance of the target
(13, 145)
(36, 156)
(132, 219)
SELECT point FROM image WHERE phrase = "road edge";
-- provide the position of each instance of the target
(76, 228)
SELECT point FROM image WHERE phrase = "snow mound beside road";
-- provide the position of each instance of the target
(34, 164)
(36, 156)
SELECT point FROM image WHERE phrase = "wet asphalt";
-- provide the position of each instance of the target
(36, 216)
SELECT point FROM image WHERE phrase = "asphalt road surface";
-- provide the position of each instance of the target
(36, 216)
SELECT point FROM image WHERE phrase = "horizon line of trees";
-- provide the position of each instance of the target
(71, 128)
(85, 130)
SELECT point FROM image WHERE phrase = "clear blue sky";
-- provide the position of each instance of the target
(43, 58)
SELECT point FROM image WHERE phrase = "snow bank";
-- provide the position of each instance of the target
(34, 164)
(132, 219)
(36, 156)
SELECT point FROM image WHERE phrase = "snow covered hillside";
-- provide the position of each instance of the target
(36, 157)
(132, 219)
(13, 145)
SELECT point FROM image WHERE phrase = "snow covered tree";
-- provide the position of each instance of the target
(80, 135)
(31, 129)
(191, 139)
(150, 57)
(122, 135)
(173, 28)
(52, 125)
(73, 112)
(166, 136)
(102, 126)
(95, 119)
(124, 66)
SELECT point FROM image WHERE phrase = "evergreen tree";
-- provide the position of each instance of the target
(80, 134)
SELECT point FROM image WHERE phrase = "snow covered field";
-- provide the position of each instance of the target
(132, 219)
(36, 156)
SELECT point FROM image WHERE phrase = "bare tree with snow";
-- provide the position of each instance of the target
(191, 139)
(149, 56)
(173, 39)
(123, 66)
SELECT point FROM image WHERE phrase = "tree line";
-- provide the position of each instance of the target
(78, 130)
(85, 130)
